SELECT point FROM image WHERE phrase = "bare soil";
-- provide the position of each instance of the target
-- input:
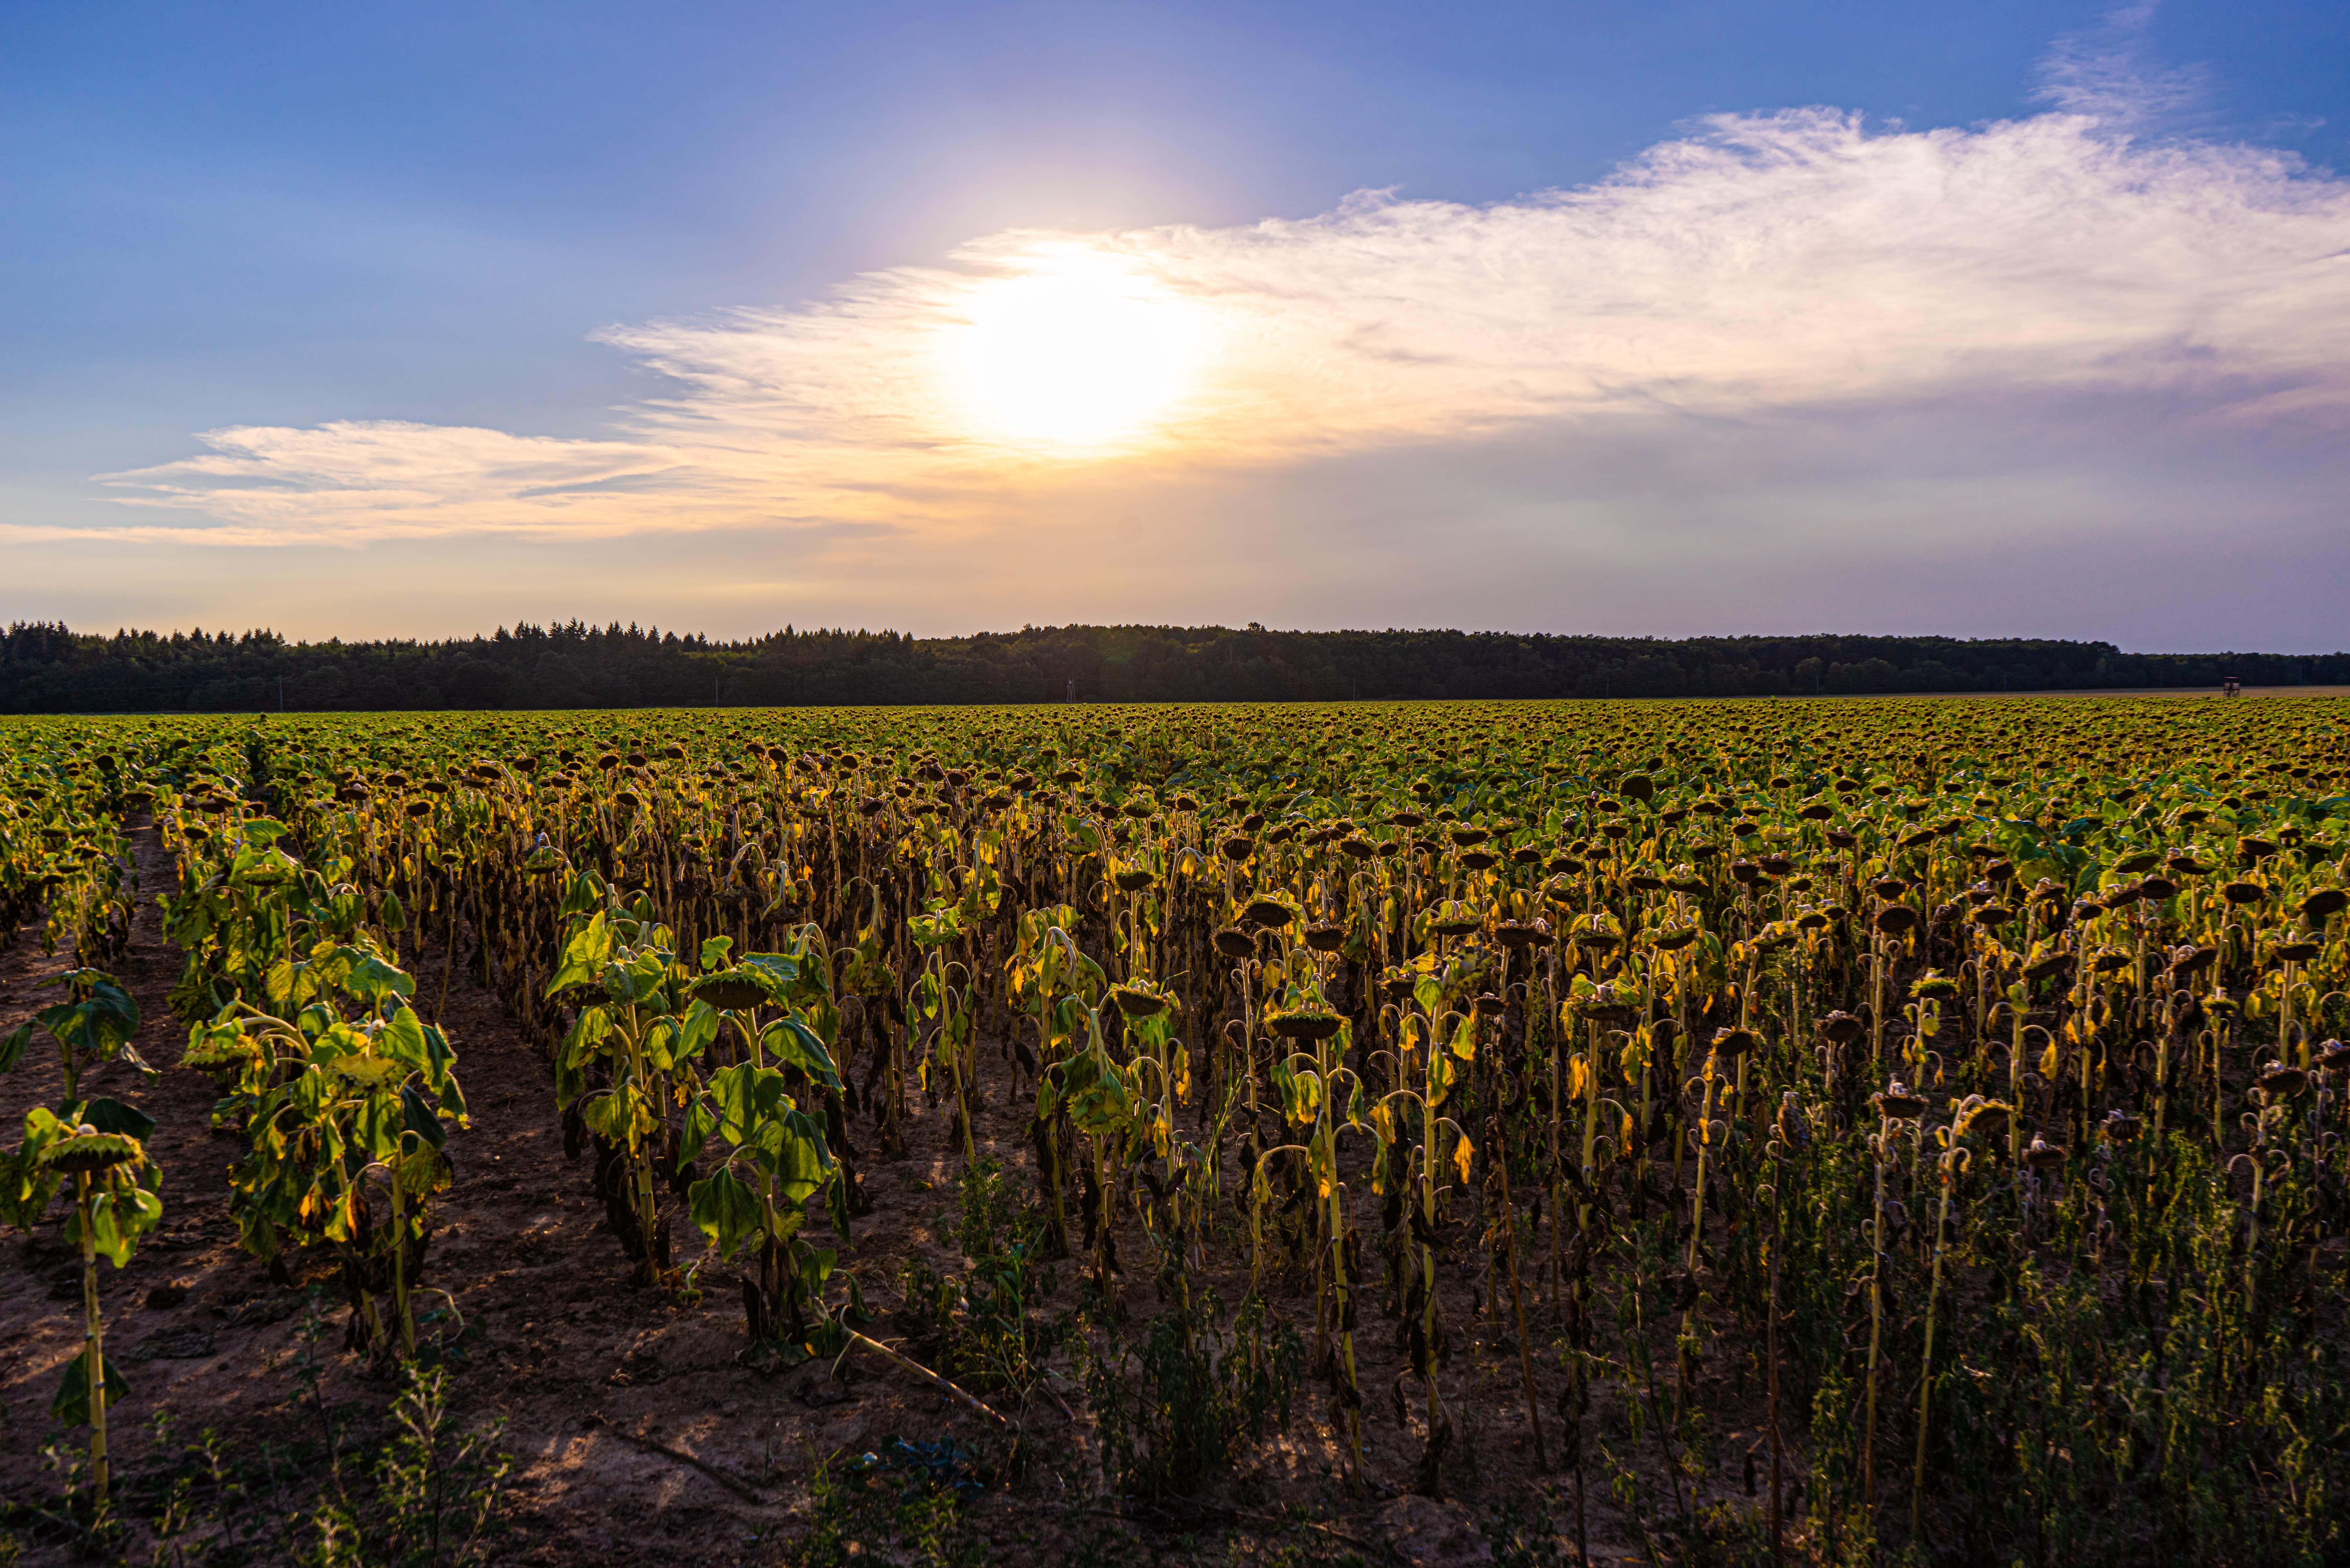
(639, 1429)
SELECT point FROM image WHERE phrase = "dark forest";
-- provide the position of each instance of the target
(49, 669)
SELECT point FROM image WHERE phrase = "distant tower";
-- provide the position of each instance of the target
(1073, 689)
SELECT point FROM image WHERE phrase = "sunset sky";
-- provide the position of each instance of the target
(1681, 319)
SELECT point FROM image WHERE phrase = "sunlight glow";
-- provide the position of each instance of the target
(1084, 354)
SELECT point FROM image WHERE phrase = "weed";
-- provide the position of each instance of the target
(983, 1326)
(1174, 1411)
(441, 1491)
(875, 1512)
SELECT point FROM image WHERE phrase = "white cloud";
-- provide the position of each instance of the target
(350, 482)
(1764, 269)
(2103, 72)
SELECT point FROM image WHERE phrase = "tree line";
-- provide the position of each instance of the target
(46, 668)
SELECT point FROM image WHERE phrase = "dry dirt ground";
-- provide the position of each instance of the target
(639, 1434)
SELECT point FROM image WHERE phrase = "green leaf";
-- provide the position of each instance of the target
(375, 1128)
(697, 1033)
(402, 1039)
(730, 1098)
(581, 892)
(453, 1098)
(72, 1404)
(262, 867)
(369, 1071)
(746, 1101)
(638, 980)
(42, 1125)
(421, 1116)
(88, 1028)
(588, 1036)
(112, 1115)
(782, 971)
(660, 1045)
(806, 1164)
(1097, 1096)
(699, 1125)
(368, 978)
(13, 1045)
(118, 1218)
(26, 1186)
(609, 1117)
(585, 955)
(106, 993)
(570, 1080)
(724, 1208)
(940, 925)
(835, 1203)
(793, 1044)
(816, 1266)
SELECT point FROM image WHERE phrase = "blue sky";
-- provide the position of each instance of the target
(387, 250)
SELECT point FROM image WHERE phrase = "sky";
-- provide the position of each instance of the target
(1675, 319)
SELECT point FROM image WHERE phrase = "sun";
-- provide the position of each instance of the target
(1081, 354)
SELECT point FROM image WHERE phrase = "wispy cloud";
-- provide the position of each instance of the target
(353, 480)
(1764, 268)
(2108, 73)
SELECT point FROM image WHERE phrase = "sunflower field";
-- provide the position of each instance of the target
(1816, 1130)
